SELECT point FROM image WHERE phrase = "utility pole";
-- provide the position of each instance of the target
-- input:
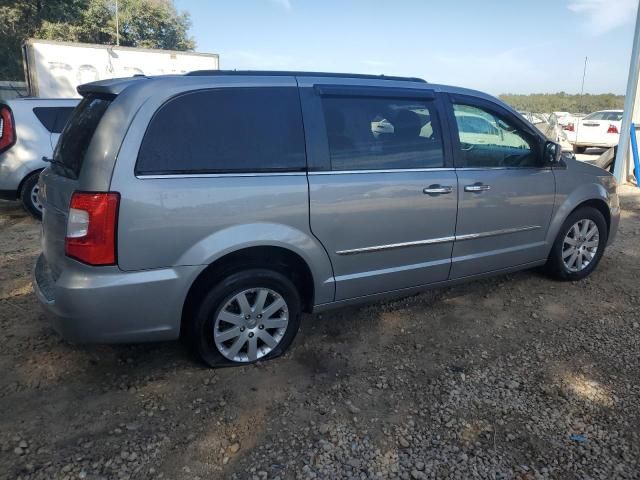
(580, 104)
(623, 156)
(117, 26)
(584, 74)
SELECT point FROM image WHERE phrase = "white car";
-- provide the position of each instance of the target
(562, 118)
(598, 129)
(29, 131)
(534, 118)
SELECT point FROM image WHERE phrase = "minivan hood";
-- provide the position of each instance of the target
(585, 168)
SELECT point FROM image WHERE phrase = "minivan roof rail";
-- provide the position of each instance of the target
(277, 73)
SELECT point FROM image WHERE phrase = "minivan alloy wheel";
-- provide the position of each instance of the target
(250, 324)
(580, 245)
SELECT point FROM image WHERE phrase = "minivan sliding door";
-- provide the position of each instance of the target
(383, 194)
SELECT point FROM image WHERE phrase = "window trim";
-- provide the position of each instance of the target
(500, 111)
(315, 107)
(212, 173)
(332, 90)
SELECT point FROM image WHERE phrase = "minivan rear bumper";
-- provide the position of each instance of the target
(107, 305)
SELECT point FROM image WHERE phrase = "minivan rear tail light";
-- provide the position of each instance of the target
(7, 129)
(91, 227)
(571, 127)
(612, 128)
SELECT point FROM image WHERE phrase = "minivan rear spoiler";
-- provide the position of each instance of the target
(112, 86)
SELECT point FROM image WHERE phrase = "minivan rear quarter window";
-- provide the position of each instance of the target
(77, 134)
(225, 130)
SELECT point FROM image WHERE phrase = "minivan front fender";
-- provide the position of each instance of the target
(587, 192)
(264, 234)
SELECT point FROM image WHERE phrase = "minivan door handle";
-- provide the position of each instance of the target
(437, 189)
(477, 188)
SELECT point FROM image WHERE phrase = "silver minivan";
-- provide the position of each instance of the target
(217, 206)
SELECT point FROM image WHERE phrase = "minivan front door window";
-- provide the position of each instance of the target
(487, 140)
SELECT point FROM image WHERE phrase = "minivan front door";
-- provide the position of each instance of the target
(506, 194)
(383, 197)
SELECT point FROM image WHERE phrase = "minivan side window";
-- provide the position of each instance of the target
(487, 140)
(225, 130)
(374, 133)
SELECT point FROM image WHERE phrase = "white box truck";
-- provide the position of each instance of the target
(55, 69)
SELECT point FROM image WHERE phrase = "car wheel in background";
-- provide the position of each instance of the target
(29, 196)
(249, 316)
(579, 245)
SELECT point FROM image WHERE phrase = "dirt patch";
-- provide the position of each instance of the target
(512, 377)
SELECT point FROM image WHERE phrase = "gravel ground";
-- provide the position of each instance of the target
(513, 377)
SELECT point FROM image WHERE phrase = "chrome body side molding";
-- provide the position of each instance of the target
(432, 241)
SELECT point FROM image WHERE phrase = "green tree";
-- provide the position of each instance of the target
(563, 102)
(142, 23)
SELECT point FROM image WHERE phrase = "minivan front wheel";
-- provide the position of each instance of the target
(579, 245)
(249, 316)
(29, 195)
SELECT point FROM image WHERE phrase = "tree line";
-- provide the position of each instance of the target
(563, 102)
(142, 23)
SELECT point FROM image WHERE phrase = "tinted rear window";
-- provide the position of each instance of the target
(375, 133)
(225, 130)
(77, 134)
(53, 118)
(64, 113)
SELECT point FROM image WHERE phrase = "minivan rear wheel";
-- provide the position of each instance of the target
(29, 196)
(249, 316)
(579, 245)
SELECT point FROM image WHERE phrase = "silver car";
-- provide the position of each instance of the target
(29, 130)
(219, 206)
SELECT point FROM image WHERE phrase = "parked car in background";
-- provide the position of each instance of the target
(562, 118)
(535, 118)
(598, 129)
(176, 206)
(29, 131)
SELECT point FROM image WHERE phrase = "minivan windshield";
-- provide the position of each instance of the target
(69, 153)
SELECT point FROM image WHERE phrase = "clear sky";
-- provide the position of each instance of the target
(516, 46)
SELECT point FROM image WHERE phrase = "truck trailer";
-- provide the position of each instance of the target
(54, 69)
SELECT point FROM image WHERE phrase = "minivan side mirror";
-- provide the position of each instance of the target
(552, 153)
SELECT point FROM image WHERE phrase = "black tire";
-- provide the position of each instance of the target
(578, 149)
(555, 265)
(26, 191)
(201, 326)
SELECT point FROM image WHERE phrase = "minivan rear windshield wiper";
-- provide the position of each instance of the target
(60, 164)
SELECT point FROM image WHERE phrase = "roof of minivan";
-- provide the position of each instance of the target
(115, 86)
(292, 73)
